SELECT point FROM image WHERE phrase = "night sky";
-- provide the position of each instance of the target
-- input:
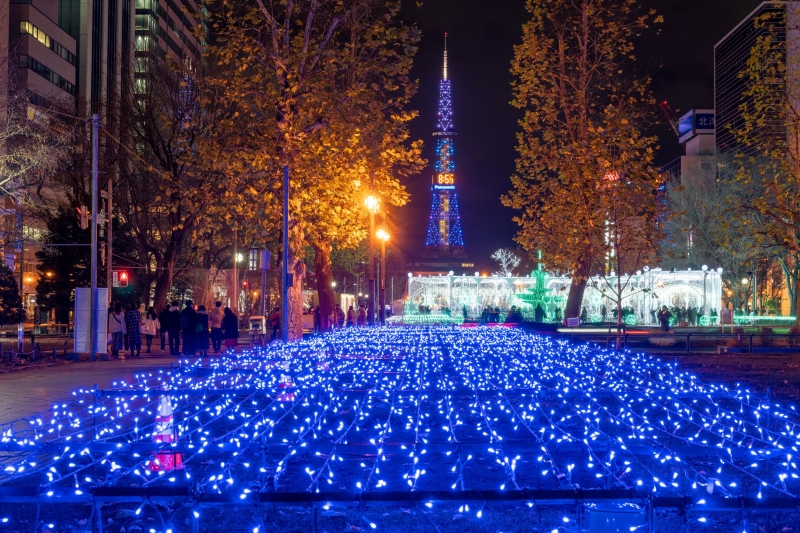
(481, 36)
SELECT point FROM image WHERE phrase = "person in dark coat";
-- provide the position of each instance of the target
(230, 329)
(663, 318)
(164, 318)
(174, 330)
(133, 321)
(187, 327)
(201, 331)
(274, 323)
(317, 319)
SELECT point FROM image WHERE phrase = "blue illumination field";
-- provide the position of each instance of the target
(415, 409)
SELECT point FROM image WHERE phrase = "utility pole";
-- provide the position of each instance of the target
(235, 299)
(20, 245)
(94, 305)
(108, 242)
(265, 259)
(382, 313)
(288, 279)
(371, 240)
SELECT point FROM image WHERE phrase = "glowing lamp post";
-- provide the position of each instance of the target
(373, 205)
(383, 235)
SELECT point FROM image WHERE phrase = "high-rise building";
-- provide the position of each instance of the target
(44, 52)
(112, 33)
(164, 28)
(103, 30)
(444, 238)
(731, 54)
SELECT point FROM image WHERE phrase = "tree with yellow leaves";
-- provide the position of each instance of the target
(766, 172)
(585, 108)
(320, 87)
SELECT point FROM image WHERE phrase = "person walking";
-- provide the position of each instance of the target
(150, 327)
(215, 321)
(274, 322)
(663, 318)
(163, 323)
(230, 329)
(187, 327)
(116, 327)
(338, 316)
(351, 317)
(201, 331)
(362, 316)
(133, 321)
(174, 329)
(317, 319)
(538, 313)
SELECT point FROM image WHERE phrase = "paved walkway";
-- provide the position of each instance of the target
(31, 391)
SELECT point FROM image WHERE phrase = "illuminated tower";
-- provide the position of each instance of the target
(444, 227)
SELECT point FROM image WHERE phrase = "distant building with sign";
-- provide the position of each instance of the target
(696, 132)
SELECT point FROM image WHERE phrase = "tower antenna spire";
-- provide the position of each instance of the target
(445, 55)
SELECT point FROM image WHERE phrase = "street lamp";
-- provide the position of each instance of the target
(383, 235)
(373, 205)
(705, 275)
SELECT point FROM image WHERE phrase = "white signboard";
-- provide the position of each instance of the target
(83, 306)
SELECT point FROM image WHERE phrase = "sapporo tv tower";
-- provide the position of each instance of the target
(444, 239)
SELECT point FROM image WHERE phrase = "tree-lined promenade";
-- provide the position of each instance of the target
(194, 153)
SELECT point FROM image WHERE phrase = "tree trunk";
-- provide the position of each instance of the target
(324, 270)
(575, 298)
(296, 298)
(797, 301)
(578, 287)
(163, 283)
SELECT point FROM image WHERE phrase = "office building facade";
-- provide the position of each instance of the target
(731, 55)
(45, 53)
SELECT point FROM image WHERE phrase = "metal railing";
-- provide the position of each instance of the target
(691, 341)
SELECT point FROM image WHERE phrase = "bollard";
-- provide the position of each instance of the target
(54, 354)
(688, 343)
(750, 343)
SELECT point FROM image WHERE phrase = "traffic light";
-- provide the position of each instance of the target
(123, 279)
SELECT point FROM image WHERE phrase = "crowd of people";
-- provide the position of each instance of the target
(354, 317)
(186, 331)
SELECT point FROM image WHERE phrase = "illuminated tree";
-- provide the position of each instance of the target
(507, 260)
(159, 191)
(769, 135)
(319, 87)
(576, 83)
(708, 227)
(32, 139)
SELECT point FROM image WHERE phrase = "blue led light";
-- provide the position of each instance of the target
(415, 409)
